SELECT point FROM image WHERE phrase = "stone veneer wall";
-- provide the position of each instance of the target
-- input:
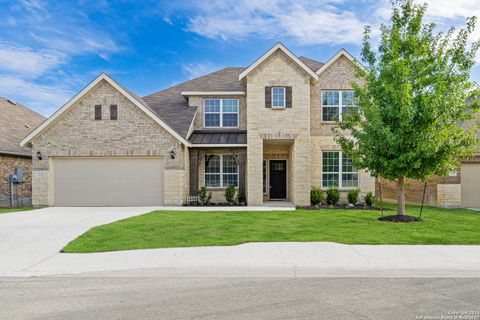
(339, 76)
(77, 134)
(286, 124)
(198, 102)
(22, 191)
(439, 190)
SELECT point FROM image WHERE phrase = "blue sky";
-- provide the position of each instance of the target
(49, 50)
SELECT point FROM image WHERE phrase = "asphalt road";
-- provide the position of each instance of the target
(239, 298)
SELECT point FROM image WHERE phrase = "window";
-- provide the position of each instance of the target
(113, 112)
(264, 170)
(221, 171)
(338, 171)
(336, 103)
(221, 113)
(98, 112)
(278, 97)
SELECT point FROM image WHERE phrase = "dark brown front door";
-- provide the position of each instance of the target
(278, 179)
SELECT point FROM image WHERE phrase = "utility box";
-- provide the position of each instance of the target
(19, 175)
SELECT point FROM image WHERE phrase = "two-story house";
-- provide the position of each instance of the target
(266, 129)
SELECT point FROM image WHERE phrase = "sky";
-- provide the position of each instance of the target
(50, 50)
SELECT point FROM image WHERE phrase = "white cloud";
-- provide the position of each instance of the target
(44, 39)
(195, 70)
(44, 99)
(309, 22)
(28, 61)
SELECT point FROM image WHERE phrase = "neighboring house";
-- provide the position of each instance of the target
(265, 129)
(461, 188)
(16, 121)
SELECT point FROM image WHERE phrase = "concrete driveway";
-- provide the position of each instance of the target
(30, 237)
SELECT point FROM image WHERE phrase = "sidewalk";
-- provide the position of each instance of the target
(289, 259)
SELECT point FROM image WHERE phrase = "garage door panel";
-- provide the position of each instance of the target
(470, 187)
(108, 181)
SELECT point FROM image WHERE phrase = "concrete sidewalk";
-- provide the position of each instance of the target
(290, 259)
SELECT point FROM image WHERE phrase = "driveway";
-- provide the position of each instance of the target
(30, 237)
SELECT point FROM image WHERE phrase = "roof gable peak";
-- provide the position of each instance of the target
(281, 47)
(339, 54)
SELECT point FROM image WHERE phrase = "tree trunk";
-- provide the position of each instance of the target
(401, 196)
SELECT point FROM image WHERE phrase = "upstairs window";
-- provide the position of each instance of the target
(221, 171)
(98, 112)
(278, 97)
(221, 113)
(113, 112)
(338, 171)
(336, 103)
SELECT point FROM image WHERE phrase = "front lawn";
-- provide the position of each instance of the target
(165, 229)
(8, 210)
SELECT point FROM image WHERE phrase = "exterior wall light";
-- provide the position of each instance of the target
(172, 154)
(39, 155)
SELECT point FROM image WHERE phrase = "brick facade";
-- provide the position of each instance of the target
(133, 134)
(22, 191)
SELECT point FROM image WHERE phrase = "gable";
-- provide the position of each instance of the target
(276, 48)
(77, 132)
(278, 69)
(136, 101)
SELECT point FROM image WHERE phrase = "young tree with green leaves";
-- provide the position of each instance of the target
(413, 100)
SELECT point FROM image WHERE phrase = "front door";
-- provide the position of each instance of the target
(278, 179)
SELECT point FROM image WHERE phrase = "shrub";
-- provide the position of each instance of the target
(204, 196)
(369, 199)
(316, 196)
(230, 194)
(241, 199)
(353, 196)
(333, 195)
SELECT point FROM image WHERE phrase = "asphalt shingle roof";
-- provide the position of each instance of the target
(172, 107)
(16, 122)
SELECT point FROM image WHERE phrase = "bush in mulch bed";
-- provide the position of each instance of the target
(400, 218)
(214, 204)
(343, 207)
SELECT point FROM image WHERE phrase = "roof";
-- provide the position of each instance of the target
(172, 107)
(281, 47)
(339, 54)
(16, 121)
(312, 64)
(218, 137)
(142, 105)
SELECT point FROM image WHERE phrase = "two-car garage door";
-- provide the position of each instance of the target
(108, 181)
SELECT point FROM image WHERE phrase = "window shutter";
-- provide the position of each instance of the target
(268, 97)
(113, 112)
(98, 112)
(288, 97)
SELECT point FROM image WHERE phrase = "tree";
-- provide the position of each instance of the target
(413, 100)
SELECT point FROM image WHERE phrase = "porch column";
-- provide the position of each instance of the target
(242, 154)
(193, 172)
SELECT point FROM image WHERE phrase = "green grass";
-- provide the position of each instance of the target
(165, 229)
(8, 210)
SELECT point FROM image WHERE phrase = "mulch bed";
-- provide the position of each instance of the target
(343, 207)
(214, 204)
(400, 218)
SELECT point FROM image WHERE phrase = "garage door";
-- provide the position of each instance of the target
(108, 181)
(470, 184)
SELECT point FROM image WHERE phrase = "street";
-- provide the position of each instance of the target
(156, 297)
